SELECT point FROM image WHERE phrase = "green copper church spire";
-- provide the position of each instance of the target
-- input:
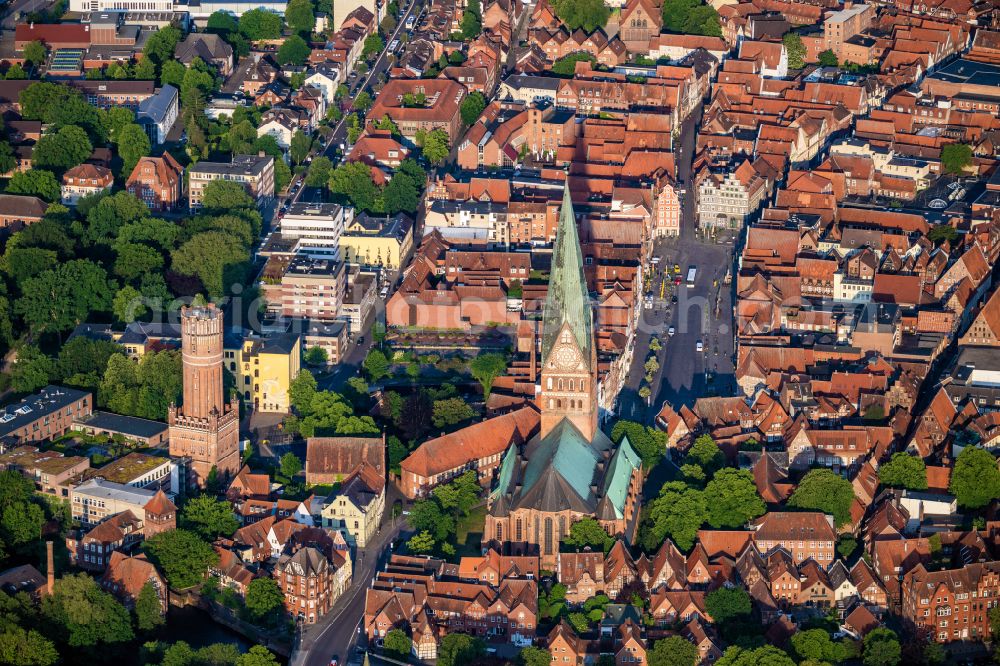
(568, 301)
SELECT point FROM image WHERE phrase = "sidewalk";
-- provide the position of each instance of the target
(336, 631)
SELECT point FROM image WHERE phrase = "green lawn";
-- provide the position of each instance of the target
(469, 532)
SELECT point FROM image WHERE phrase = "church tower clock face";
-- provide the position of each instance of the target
(567, 358)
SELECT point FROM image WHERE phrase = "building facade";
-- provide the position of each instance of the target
(158, 181)
(254, 172)
(570, 469)
(206, 426)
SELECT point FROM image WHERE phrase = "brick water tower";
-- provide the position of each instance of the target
(205, 427)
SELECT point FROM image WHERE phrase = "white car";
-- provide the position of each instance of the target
(671, 331)
(699, 347)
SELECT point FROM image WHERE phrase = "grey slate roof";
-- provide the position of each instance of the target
(127, 425)
(154, 109)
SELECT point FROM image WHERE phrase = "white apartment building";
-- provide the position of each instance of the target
(318, 227)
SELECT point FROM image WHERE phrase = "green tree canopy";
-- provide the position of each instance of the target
(955, 157)
(460, 495)
(648, 442)
(35, 52)
(451, 411)
(823, 490)
(293, 51)
(472, 107)
(32, 371)
(362, 102)
(264, 598)
(210, 517)
(816, 644)
(290, 465)
(566, 65)
(705, 453)
(300, 146)
(678, 512)
(161, 44)
(143, 389)
(975, 479)
(486, 368)
(376, 365)
(904, 471)
(216, 258)
(731, 498)
(353, 181)
(397, 643)
(299, 16)
(882, 648)
(673, 651)
(725, 604)
(691, 17)
(587, 532)
(35, 182)
(586, 14)
(458, 649)
(183, 557)
(133, 144)
(56, 300)
(82, 615)
(148, 609)
(223, 23)
(374, 44)
(762, 656)
(436, 146)
(472, 20)
(428, 516)
(828, 58)
(319, 172)
(534, 656)
(258, 24)
(796, 50)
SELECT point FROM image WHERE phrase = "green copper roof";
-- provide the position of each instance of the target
(561, 468)
(506, 472)
(568, 301)
(623, 463)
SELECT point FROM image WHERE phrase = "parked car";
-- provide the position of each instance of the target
(699, 346)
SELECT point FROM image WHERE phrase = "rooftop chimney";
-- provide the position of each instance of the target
(50, 569)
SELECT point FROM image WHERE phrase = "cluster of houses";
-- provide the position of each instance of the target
(306, 545)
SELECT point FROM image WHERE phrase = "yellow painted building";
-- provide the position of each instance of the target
(359, 505)
(264, 368)
(385, 242)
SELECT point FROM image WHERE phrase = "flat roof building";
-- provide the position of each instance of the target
(254, 172)
(44, 415)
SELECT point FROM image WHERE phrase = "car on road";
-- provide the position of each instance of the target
(671, 331)
(699, 346)
(361, 340)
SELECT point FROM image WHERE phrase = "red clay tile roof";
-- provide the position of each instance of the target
(342, 455)
(474, 442)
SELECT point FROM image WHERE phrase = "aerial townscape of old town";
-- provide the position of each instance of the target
(499, 332)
